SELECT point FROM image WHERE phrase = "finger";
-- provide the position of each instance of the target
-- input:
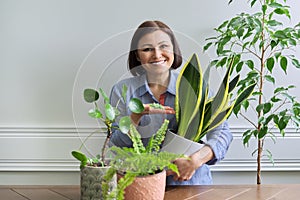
(175, 177)
(170, 172)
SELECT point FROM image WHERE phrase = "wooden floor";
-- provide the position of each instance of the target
(215, 192)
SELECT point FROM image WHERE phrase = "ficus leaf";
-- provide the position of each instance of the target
(270, 64)
(283, 63)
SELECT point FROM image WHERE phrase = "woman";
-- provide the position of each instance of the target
(154, 54)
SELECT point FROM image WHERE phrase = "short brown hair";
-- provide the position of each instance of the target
(145, 28)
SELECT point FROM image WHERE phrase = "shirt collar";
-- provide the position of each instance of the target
(171, 87)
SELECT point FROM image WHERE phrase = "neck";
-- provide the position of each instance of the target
(158, 80)
(158, 84)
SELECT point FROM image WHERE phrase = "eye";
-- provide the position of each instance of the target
(164, 46)
(147, 49)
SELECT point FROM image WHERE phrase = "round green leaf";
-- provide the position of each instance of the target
(90, 95)
(135, 105)
(95, 113)
(124, 124)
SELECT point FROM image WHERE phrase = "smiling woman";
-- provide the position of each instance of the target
(154, 55)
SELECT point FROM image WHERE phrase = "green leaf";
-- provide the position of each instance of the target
(270, 78)
(233, 83)
(124, 124)
(81, 157)
(124, 92)
(240, 32)
(188, 93)
(283, 63)
(259, 108)
(250, 64)
(110, 112)
(95, 113)
(273, 44)
(239, 66)
(90, 95)
(262, 132)
(135, 105)
(279, 11)
(274, 23)
(267, 107)
(105, 97)
(270, 64)
(244, 95)
(207, 46)
(296, 63)
(279, 34)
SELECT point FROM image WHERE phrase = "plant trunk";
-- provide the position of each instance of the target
(259, 152)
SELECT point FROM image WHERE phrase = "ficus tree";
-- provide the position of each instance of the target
(260, 42)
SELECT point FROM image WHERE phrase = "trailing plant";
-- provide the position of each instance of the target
(139, 160)
(198, 112)
(106, 115)
(259, 43)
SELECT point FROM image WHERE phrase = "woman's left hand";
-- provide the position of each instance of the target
(186, 168)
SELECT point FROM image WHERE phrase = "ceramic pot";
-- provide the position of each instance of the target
(148, 187)
(176, 144)
(91, 180)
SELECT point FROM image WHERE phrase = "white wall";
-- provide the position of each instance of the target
(51, 49)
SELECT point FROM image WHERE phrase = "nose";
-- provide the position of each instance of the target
(157, 52)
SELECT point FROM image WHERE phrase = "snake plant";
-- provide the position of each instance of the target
(196, 111)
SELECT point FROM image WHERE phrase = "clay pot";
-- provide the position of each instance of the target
(148, 187)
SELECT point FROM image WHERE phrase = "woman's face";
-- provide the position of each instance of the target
(155, 52)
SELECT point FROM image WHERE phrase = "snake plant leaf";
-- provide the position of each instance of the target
(221, 117)
(90, 95)
(135, 105)
(219, 101)
(244, 94)
(188, 93)
(233, 83)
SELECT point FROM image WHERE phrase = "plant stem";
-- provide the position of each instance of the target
(109, 133)
(260, 101)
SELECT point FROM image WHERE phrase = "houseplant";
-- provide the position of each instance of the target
(139, 163)
(93, 168)
(260, 43)
(197, 111)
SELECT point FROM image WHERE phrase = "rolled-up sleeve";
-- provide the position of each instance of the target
(219, 140)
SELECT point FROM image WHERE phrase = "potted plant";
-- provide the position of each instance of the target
(260, 43)
(92, 169)
(197, 111)
(141, 169)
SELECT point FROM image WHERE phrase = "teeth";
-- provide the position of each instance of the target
(158, 63)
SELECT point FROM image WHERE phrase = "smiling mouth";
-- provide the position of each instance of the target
(158, 62)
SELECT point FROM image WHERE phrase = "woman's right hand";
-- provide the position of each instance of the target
(136, 117)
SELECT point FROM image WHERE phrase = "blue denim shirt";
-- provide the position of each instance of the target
(218, 139)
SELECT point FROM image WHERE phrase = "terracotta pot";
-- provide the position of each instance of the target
(176, 144)
(91, 180)
(151, 187)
